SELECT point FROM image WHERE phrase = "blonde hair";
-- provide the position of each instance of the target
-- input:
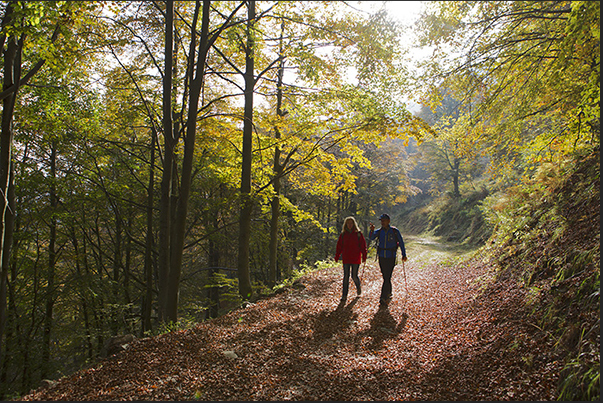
(345, 227)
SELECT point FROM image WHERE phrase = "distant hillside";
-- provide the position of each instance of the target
(453, 219)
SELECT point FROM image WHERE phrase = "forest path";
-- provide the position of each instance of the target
(447, 339)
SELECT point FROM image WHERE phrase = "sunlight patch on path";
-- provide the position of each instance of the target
(423, 251)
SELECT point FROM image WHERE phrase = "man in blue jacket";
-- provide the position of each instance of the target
(389, 240)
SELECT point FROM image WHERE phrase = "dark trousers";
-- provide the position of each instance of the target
(346, 278)
(386, 264)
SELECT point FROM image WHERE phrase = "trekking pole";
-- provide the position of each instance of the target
(362, 274)
(405, 283)
(364, 265)
(368, 247)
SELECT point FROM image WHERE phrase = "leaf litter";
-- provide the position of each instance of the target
(454, 336)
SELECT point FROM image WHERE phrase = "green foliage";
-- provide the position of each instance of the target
(581, 381)
(229, 289)
(184, 322)
(303, 270)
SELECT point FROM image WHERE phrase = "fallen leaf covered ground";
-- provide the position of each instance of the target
(455, 335)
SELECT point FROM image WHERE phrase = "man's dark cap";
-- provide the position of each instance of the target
(384, 216)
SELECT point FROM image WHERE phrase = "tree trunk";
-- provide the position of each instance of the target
(12, 73)
(273, 246)
(165, 208)
(148, 256)
(28, 368)
(245, 289)
(214, 263)
(187, 165)
(13, 329)
(278, 170)
(99, 302)
(50, 293)
(327, 234)
(117, 266)
(455, 178)
(82, 280)
(127, 274)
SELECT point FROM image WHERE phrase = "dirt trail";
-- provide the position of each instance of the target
(447, 339)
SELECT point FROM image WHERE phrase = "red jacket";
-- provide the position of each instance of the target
(351, 246)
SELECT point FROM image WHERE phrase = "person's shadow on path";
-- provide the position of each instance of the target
(328, 323)
(383, 326)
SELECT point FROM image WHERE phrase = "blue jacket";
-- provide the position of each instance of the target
(389, 241)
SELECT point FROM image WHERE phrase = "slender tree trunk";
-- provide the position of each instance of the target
(99, 302)
(214, 262)
(128, 256)
(126, 270)
(187, 165)
(117, 266)
(6, 256)
(13, 325)
(33, 324)
(327, 243)
(50, 279)
(78, 270)
(278, 170)
(91, 316)
(117, 251)
(165, 209)
(148, 256)
(96, 321)
(12, 74)
(273, 246)
(455, 177)
(245, 289)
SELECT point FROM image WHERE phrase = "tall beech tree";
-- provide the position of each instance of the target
(196, 68)
(278, 167)
(182, 107)
(246, 203)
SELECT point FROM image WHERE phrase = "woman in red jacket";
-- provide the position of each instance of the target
(351, 247)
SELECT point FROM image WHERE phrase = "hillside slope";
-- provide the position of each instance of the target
(549, 242)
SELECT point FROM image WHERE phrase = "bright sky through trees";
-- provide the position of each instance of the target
(406, 12)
